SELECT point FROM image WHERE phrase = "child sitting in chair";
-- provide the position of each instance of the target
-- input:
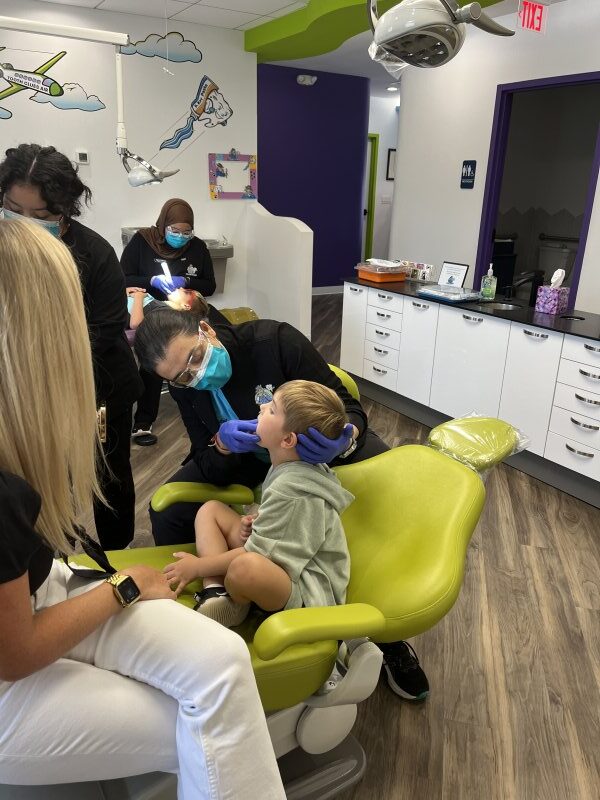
(293, 553)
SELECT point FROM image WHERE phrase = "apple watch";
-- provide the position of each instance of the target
(125, 589)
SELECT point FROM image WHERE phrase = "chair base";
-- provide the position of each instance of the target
(306, 777)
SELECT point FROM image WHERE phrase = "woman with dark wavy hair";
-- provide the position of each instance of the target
(40, 184)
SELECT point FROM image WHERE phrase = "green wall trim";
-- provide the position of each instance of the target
(374, 156)
(322, 26)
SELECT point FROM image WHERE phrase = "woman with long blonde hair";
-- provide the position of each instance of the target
(96, 682)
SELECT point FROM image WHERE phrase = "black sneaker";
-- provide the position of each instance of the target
(144, 436)
(404, 674)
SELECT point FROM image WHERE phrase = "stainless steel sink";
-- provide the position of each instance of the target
(501, 306)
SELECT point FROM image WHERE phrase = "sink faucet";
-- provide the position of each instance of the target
(535, 277)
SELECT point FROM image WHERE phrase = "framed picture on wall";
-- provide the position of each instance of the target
(232, 176)
(390, 172)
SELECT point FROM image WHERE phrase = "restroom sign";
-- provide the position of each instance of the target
(467, 175)
(532, 16)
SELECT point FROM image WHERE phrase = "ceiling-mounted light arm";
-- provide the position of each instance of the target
(372, 14)
(475, 16)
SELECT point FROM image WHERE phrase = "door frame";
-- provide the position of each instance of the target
(495, 172)
(373, 138)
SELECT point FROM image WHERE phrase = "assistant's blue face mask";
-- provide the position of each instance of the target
(52, 226)
(176, 240)
(215, 370)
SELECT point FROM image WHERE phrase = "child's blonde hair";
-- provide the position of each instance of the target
(198, 306)
(48, 424)
(307, 404)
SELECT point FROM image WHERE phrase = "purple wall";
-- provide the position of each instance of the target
(312, 145)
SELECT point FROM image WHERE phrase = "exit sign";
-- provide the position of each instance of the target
(533, 16)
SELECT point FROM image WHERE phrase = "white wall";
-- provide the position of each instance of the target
(156, 103)
(447, 117)
(383, 119)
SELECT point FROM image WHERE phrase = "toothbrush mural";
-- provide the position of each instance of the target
(208, 107)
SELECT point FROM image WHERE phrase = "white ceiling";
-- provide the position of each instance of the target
(238, 14)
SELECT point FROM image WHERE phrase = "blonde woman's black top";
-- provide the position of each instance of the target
(22, 549)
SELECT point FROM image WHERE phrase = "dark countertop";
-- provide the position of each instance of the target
(588, 327)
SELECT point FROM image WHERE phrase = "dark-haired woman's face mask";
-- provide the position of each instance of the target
(25, 202)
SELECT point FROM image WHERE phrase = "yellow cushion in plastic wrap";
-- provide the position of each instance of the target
(480, 442)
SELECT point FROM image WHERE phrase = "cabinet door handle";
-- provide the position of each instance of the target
(382, 333)
(420, 305)
(354, 289)
(534, 334)
(579, 452)
(587, 400)
(585, 425)
(381, 351)
(590, 375)
(380, 371)
(385, 296)
(383, 316)
(593, 349)
(472, 319)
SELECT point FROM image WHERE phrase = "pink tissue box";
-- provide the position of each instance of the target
(552, 301)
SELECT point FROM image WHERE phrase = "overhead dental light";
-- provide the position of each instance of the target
(424, 33)
(142, 173)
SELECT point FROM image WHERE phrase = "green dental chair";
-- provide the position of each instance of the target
(408, 557)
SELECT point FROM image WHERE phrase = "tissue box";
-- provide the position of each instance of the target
(552, 301)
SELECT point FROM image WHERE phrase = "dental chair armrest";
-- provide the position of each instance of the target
(306, 625)
(188, 492)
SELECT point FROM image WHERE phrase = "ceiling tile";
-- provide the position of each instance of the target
(147, 8)
(80, 3)
(270, 7)
(268, 17)
(288, 9)
(218, 17)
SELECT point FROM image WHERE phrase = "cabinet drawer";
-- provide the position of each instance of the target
(388, 319)
(377, 373)
(381, 354)
(584, 430)
(386, 300)
(380, 335)
(577, 400)
(580, 375)
(573, 455)
(587, 351)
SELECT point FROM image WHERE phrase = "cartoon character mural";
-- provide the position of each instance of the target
(65, 97)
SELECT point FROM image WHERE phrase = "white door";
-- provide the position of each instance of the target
(470, 353)
(529, 380)
(417, 349)
(354, 317)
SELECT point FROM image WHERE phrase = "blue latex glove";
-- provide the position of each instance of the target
(318, 449)
(167, 285)
(239, 435)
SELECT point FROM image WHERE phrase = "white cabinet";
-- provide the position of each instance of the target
(529, 380)
(354, 318)
(470, 353)
(417, 349)
(573, 455)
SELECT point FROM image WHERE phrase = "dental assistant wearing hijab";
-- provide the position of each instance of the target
(170, 241)
(41, 185)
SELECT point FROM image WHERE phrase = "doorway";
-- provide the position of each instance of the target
(541, 180)
(369, 188)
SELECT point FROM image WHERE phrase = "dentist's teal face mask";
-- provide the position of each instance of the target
(215, 370)
(175, 239)
(52, 226)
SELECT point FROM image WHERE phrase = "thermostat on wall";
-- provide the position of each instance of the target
(82, 157)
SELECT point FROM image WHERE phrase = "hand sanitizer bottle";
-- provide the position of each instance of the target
(488, 285)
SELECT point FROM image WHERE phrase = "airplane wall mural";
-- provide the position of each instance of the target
(46, 89)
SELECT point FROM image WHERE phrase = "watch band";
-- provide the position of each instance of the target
(351, 448)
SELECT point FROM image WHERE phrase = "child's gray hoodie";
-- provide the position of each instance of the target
(298, 528)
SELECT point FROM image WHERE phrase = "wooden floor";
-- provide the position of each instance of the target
(514, 709)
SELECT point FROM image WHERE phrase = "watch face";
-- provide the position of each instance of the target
(128, 591)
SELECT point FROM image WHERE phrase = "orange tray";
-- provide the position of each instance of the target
(381, 277)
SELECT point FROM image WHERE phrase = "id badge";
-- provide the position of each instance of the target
(101, 413)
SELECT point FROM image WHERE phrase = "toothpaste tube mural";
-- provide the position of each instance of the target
(208, 107)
